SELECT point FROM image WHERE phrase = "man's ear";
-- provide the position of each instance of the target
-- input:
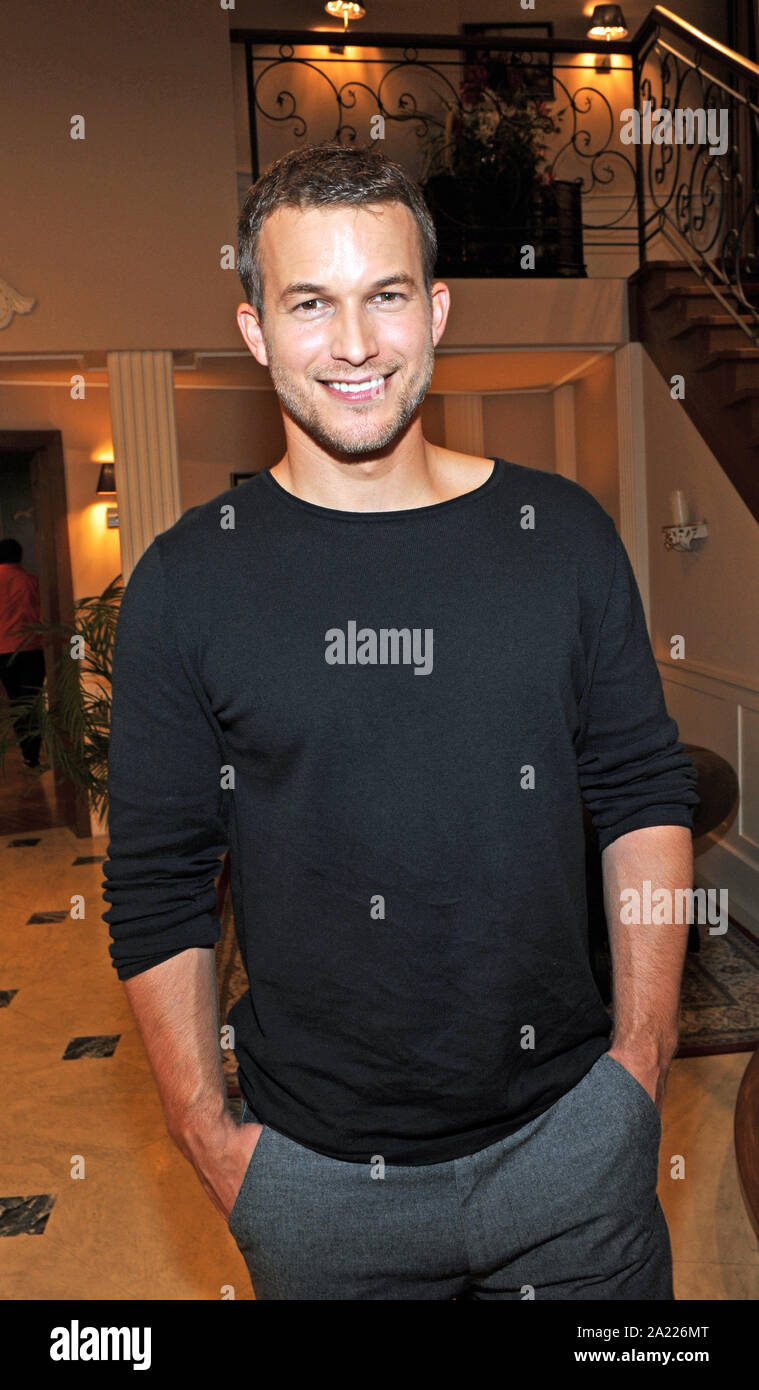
(249, 324)
(440, 300)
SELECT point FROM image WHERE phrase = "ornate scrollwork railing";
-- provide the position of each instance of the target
(699, 195)
(420, 93)
(423, 95)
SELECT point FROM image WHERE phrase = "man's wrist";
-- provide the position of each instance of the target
(657, 1049)
(198, 1130)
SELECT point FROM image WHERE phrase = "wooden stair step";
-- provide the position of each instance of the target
(650, 268)
(747, 394)
(711, 336)
(742, 413)
(733, 370)
(664, 280)
(706, 321)
(748, 354)
(687, 295)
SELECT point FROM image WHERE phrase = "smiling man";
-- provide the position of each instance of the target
(432, 1105)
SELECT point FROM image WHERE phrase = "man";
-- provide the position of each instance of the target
(384, 673)
(23, 674)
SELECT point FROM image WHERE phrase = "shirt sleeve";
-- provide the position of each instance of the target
(166, 817)
(632, 769)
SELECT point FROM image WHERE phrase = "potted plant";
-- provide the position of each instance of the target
(72, 711)
(488, 185)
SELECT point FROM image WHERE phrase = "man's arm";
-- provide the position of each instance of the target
(167, 835)
(640, 788)
(176, 1007)
(647, 960)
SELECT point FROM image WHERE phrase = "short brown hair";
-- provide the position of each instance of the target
(320, 175)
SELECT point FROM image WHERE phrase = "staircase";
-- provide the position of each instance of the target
(686, 332)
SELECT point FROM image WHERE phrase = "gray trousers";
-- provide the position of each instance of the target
(565, 1208)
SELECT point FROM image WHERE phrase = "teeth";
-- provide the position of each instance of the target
(352, 388)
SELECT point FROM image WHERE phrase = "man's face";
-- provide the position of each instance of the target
(349, 330)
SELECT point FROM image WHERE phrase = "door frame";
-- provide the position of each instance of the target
(50, 511)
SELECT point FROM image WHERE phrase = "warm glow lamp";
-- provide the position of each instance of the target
(106, 479)
(345, 10)
(607, 22)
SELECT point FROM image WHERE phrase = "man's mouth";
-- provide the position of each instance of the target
(364, 389)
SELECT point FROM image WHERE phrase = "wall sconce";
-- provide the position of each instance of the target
(106, 479)
(607, 22)
(345, 10)
(682, 534)
(107, 488)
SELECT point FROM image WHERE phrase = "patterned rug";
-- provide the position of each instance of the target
(719, 1009)
(719, 1004)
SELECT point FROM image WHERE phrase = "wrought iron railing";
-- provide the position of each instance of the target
(441, 105)
(702, 201)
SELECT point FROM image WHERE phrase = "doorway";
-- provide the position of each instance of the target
(33, 510)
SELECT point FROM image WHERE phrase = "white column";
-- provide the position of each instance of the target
(463, 424)
(564, 431)
(631, 445)
(144, 426)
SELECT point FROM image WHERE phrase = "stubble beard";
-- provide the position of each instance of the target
(350, 443)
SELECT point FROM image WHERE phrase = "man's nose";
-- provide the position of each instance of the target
(353, 336)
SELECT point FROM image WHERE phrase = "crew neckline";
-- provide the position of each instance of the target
(402, 513)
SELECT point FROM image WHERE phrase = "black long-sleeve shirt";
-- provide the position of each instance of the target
(390, 719)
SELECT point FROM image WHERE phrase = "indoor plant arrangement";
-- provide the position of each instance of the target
(72, 711)
(487, 181)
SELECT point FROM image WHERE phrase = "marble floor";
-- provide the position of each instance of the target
(96, 1202)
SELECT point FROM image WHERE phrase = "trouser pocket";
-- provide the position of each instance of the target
(241, 1200)
(637, 1093)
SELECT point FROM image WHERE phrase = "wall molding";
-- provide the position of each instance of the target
(724, 674)
(12, 302)
(729, 868)
(718, 707)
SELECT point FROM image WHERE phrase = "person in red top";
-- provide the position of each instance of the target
(19, 606)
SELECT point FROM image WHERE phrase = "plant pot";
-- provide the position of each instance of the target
(481, 230)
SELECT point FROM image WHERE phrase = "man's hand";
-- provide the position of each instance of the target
(221, 1156)
(176, 1007)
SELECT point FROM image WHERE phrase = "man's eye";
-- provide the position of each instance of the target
(309, 303)
(389, 295)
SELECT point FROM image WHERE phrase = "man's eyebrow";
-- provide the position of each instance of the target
(306, 287)
(402, 278)
(301, 287)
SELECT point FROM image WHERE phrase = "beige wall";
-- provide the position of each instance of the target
(444, 16)
(519, 427)
(596, 434)
(709, 597)
(118, 236)
(221, 432)
(433, 423)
